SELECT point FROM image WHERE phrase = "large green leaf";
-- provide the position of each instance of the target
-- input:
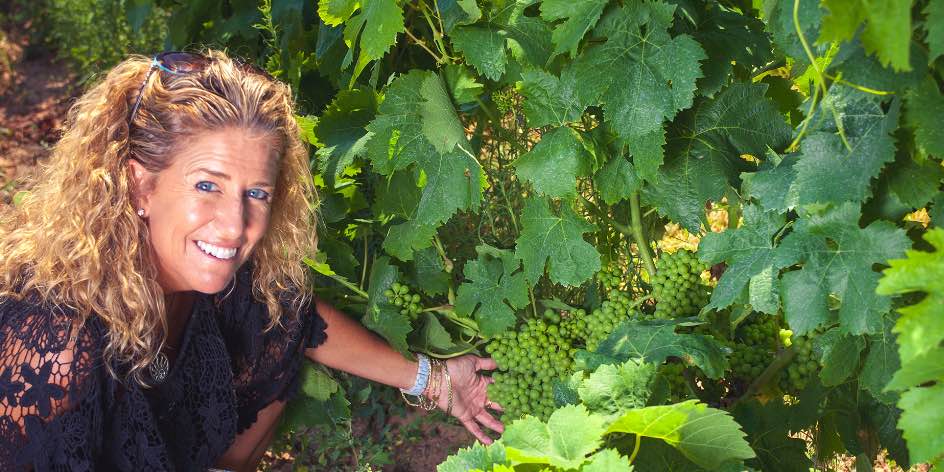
(607, 460)
(654, 341)
(923, 113)
(769, 433)
(617, 180)
(554, 164)
(373, 29)
(474, 457)
(935, 26)
(706, 436)
(839, 355)
(642, 75)
(555, 240)
(495, 289)
(838, 258)
(549, 100)
(920, 333)
(579, 17)
(705, 147)
(341, 131)
(835, 168)
(612, 389)
(570, 434)
(887, 32)
(881, 363)
(751, 258)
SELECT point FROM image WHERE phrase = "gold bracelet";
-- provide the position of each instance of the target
(429, 402)
(449, 388)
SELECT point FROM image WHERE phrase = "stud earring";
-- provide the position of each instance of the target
(141, 212)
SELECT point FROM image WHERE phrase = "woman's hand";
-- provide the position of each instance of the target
(470, 401)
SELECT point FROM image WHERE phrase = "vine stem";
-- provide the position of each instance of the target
(783, 358)
(639, 235)
(354, 288)
(820, 81)
(632, 456)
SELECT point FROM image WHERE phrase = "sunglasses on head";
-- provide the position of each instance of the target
(177, 62)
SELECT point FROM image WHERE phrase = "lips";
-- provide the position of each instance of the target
(218, 252)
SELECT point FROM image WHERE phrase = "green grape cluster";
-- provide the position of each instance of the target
(529, 359)
(610, 276)
(409, 303)
(802, 368)
(677, 286)
(603, 320)
(672, 372)
(505, 99)
(748, 361)
(761, 331)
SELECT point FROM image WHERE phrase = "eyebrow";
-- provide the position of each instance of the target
(225, 176)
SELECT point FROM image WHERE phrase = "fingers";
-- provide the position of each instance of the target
(494, 406)
(473, 428)
(490, 422)
(485, 364)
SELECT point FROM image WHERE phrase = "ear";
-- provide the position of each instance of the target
(142, 184)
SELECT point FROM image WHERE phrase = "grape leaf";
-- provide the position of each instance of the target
(705, 149)
(529, 37)
(607, 460)
(936, 211)
(417, 123)
(474, 457)
(915, 183)
(457, 12)
(382, 316)
(549, 100)
(554, 163)
(397, 194)
(432, 336)
(462, 84)
(853, 60)
(838, 257)
(730, 40)
(839, 354)
(316, 383)
(655, 341)
(374, 29)
(708, 437)
(555, 240)
(782, 29)
(923, 112)
(830, 172)
(641, 74)
(881, 363)
(923, 423)
(397, 132)
(428, 272)
(769, 434)
(935, 26)
(494, 290)
(340, 130)
(887, 32)
(617, 180)
(920, 333)
(612, 389)
(750, 255)
(483, 46)
(579, 18)
(570, 434)
(335, 12)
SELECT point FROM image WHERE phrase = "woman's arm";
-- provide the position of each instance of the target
(247, 449)
(352, 348)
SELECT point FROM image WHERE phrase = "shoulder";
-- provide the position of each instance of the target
(46, 357)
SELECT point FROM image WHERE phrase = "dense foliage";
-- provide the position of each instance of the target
(482, 162)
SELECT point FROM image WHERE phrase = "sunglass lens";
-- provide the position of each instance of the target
(183, 62)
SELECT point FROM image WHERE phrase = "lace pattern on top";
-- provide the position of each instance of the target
(62, 411)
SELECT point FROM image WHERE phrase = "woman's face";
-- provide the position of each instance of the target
(209, 209)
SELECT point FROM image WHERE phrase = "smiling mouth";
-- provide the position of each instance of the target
(216, 252)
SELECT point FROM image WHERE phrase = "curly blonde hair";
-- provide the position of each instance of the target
(76, 240)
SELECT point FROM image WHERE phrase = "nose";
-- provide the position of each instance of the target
(231, 219)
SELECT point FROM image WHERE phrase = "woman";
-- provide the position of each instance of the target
(153, 311)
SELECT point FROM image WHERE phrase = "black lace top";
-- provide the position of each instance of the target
(61, 410)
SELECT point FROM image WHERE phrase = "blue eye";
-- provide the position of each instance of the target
(258, 194)
(205, 186)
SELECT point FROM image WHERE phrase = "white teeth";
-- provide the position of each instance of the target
(216, 251)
